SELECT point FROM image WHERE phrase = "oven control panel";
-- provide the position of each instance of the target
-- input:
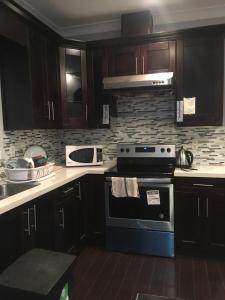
(139, 150)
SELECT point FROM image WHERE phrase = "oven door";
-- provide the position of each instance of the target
(137, 212)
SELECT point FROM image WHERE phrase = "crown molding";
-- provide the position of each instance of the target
(203, 16)
(36, 13)
(91, 28)
(163, 19)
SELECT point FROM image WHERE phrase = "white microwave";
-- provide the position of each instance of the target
(78, 156)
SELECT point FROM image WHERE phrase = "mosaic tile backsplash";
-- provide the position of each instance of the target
(142, 119)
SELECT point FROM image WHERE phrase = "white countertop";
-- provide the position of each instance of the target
(65, 175)
(202, 171)
(62, 176)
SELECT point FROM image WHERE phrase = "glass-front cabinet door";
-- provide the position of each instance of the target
(74, 88)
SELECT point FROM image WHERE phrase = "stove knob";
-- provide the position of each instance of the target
(168, 150)
(127, 150)
(121, 150)
(162, 150)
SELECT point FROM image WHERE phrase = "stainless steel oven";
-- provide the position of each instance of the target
(136, 224)
(137, 213)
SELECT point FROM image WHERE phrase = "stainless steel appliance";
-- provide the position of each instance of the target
(184, 158)
(82, 155)
(137, 81)
(133, 224)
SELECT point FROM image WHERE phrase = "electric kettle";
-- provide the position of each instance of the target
(184, 158)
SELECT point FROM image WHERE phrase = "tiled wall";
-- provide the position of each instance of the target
(143, 119)
(50, 140)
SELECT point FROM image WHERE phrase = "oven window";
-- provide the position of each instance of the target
(82, 155)
(135, 208)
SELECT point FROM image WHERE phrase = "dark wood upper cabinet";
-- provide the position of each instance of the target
(14, 71)
(74, 88)
(29, 74)
(158, 57)
(148, 58)
(44, 80)
(123, 61)
(200, 74)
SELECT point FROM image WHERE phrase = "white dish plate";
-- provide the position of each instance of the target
(31, 181)
(35, 151)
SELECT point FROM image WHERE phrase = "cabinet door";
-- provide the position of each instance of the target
(123, 61)
(64, 219)
(74, 88)
(14, 72)
(187, 220)
(215, 214)
(158, 57)
(44, 80)
(29, 227)
(79, 216)
(200, 75)
(43, 213)
(94, 207)
(52, 81)
(10, 231)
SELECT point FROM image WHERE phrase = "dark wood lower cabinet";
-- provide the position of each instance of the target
(61, 220)
(187, 221)
(200, 217)
(63, 215)
(216, 221)
(10, 231)
(95, 208)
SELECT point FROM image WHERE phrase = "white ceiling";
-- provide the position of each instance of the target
(63, 15)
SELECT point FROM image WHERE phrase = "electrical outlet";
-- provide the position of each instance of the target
(194, 144)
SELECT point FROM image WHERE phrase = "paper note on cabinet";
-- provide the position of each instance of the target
(105, 117)
(153, 197)
(189, 106)
(180, 111)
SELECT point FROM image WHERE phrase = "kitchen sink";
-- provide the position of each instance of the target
(10, 189)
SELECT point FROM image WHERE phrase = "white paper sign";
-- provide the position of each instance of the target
(105, 117)
(189, 106)
(153, 197)
(180, 111)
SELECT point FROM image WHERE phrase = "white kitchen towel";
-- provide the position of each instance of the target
(119, 187)
(132, 187)
(125, 187)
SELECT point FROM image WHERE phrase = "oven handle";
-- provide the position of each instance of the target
(149, 180)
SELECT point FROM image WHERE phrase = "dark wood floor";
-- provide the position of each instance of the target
(100, 274)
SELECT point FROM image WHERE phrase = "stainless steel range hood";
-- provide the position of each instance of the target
(138, 81)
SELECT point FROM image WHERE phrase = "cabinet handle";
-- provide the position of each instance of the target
(218, 245)
(188, 242)
(61, 211)
(53, 111)
(143, 64)
(86, 112)
(49, 110)
(207, 207)
(136, 64)
(28, 221)
(198, 206)
(79, 191)
(201, 184)
(35, 217)
(68, 190)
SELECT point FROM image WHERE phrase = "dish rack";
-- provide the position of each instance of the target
(31, 174)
